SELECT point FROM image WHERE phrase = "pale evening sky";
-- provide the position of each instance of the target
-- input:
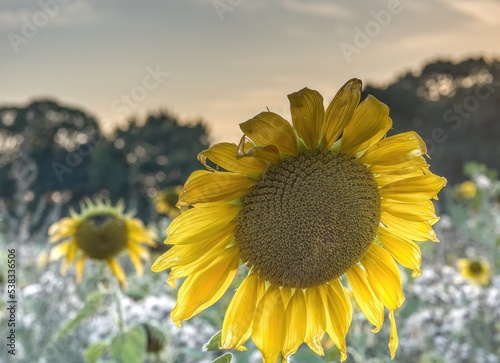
(223, 60)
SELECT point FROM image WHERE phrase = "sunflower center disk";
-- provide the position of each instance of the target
(476, 267)
(102, 236)
(309, 219)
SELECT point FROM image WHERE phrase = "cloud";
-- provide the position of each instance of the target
(75, 13)
(318, 8)
(484, 11)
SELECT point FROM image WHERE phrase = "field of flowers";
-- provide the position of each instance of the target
(451, 312)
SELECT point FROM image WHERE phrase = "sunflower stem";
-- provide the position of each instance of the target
(117, 296)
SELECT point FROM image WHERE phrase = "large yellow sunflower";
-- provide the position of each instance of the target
(302, 207)
(100, 232)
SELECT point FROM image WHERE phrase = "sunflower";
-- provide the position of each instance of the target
(100, 232)
(307, 209)
(166, 201)
(465, 190)
(478, 271)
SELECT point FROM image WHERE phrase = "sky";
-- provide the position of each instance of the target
(224, 61)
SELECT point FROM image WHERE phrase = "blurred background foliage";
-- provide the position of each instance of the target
(453, 106)
(73, 157)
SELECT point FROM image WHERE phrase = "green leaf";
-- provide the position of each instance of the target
(91, 307)
(95, 351)
(226, 358)
(214, 342)
(129, 347)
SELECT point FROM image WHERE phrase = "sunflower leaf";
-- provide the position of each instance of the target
(91, 306)
(129, 347)
(95, 351)
(214, 342)
(226, 358)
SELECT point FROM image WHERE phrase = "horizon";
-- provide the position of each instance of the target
(224, 61)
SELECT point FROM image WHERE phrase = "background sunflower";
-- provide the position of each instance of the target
(100, 232)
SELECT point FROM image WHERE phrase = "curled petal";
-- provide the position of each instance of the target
(393, 339)
(224, 155)
(268, 128)
(268, 153)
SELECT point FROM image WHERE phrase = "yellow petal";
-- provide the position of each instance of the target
(71, 253)
(206, 186)
(205, 288)
(224, 155)
(79, 268)
(136, 261)
(195, 223)
(117, 271)
(393, 340)
(62, 229)
(296, 323)
(268, 128)
(384, 179)
(316, 320)
(415, 189)
(240, 313)
(406, 167)
(405, 251)
(138, 233)
(286, 294)
(384, 276)
(268, 153)
(367, 302)
(369, 123)
(415, 212)
(338, 314)
(416, 231)
(194, 254)
(183, 267)
(60, 250)
(268, 331)
(340, 111)
(395, 149)
(306, 107)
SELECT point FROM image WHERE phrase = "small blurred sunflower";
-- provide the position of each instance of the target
(100, 232)
(478, 271)
(166, 201)
(465, 190)
(303, 206)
